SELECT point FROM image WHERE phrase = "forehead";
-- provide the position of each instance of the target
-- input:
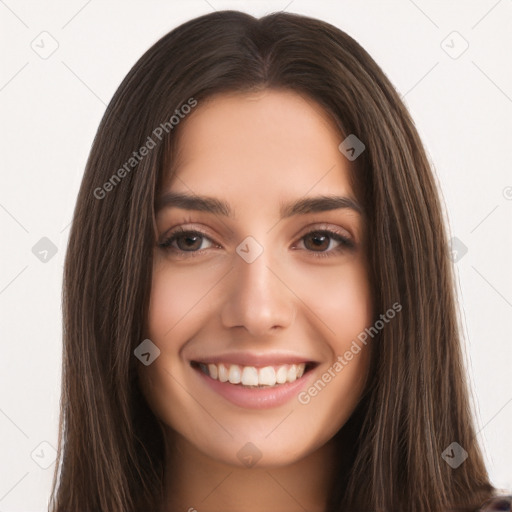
(272, 142)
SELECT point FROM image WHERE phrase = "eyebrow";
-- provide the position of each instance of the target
(302, 206)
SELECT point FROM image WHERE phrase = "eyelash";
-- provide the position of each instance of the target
(345, 243)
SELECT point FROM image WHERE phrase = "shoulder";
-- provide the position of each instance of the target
(497, 504)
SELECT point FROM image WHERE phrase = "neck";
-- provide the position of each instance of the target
(196, 482)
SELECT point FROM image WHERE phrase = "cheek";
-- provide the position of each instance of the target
(177, 297)
(341, 298)
(175, 312)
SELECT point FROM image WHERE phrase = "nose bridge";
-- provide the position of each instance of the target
(257, 299)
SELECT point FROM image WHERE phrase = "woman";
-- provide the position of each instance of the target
(258, 301)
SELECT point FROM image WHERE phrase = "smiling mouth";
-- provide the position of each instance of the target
(254, 377)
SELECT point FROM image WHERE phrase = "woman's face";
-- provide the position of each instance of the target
(253, 288)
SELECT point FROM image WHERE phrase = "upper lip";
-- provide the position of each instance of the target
(253, 359)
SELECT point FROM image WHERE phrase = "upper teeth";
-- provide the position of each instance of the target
(252, 376)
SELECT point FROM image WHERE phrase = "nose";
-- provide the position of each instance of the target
(257, 296)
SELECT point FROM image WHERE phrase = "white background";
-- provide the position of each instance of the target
(50, 110)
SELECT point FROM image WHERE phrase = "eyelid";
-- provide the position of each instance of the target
(183, 228)
(326, 226)
(342, 236)
(312, 226)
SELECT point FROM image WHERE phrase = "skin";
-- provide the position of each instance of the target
(254, 150)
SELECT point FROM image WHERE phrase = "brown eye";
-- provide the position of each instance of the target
(188, 242)
(184, 241)
(320, 241)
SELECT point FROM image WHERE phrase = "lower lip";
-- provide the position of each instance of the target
(254, 398)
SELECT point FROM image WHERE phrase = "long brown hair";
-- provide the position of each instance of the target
(111, 447)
